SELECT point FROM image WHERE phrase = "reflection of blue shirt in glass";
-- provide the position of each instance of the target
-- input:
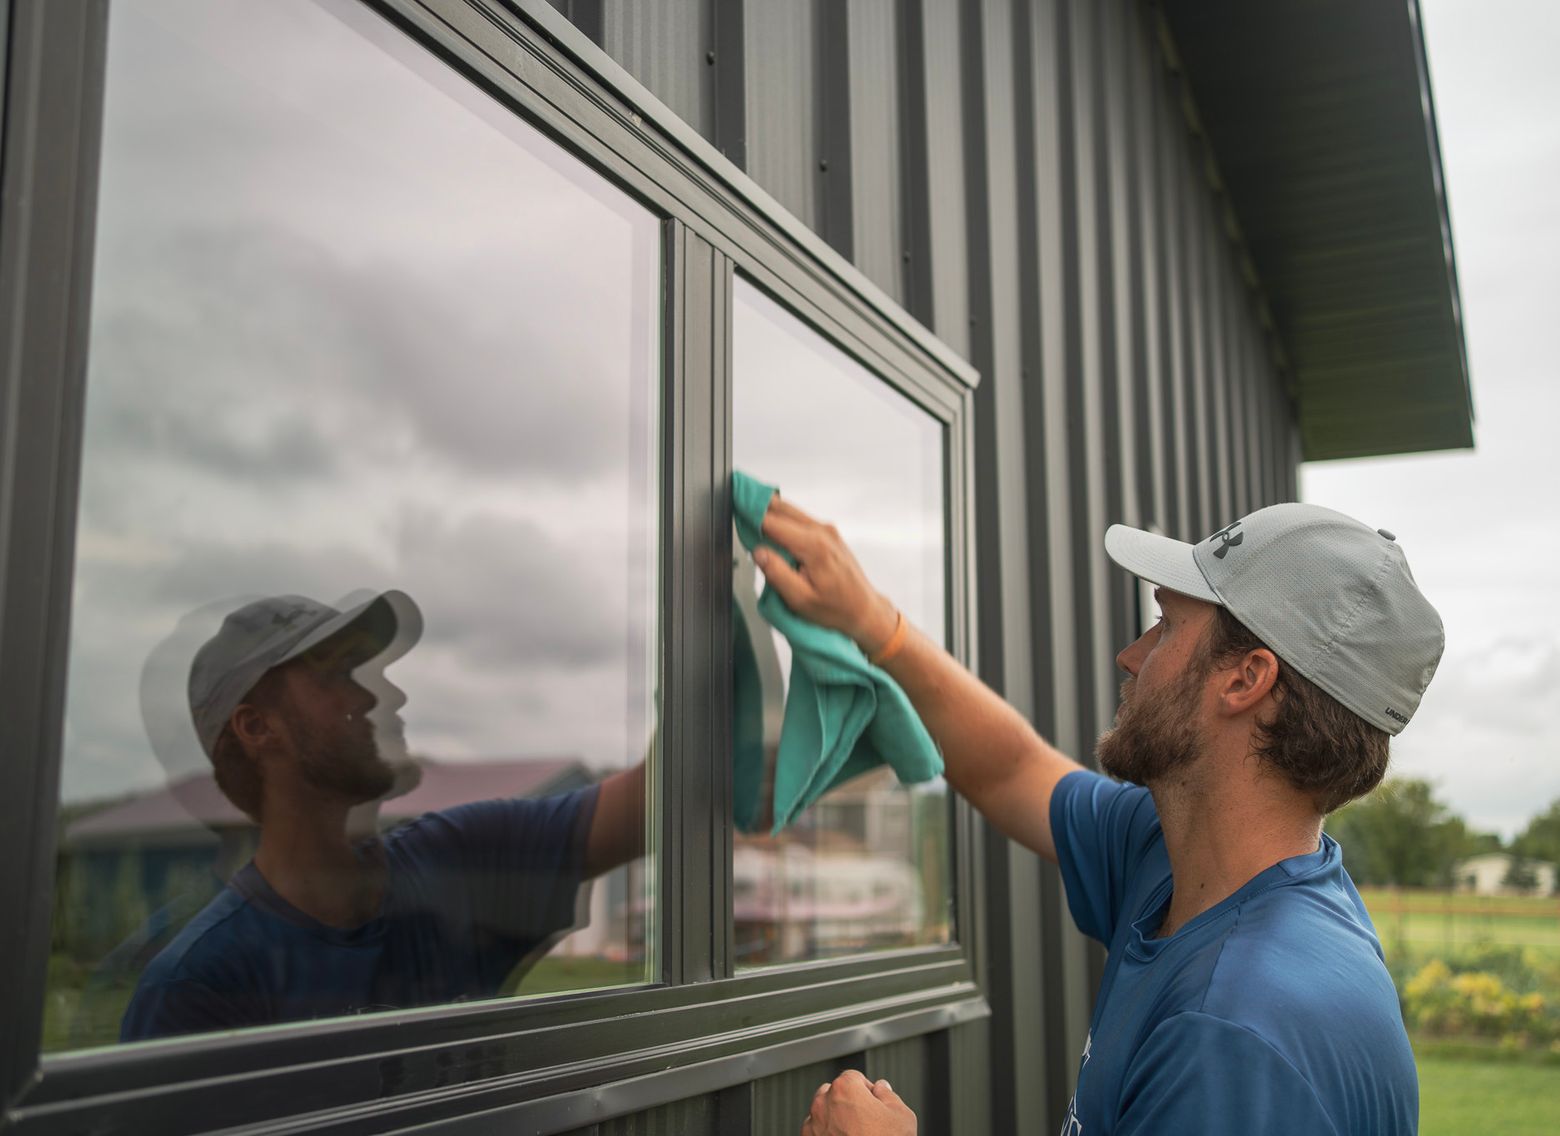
(1270, 1012)
(469, 894)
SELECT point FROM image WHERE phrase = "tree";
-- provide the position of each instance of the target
(1401, 836)
(1541, 839)
(1520, 876)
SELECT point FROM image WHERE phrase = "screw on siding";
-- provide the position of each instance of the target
(709, 57)
(907, 256)
(823, 164)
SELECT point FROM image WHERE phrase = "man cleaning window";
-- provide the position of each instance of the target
(1245, 989)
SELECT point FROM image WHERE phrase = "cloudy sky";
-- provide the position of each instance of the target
(356, 327)
(1482, 528)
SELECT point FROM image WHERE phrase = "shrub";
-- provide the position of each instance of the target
(1444, 1001)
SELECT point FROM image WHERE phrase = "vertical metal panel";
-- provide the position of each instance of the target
(681, 1118)
(1125, 333)
(834, 170)
(1218, 361)
(1235, 376)
(1010, 521)
(1249, 429)
(907, 1067)
(1067, 55)
(778, 65)
(946, 258)
(1195, 252)
(1094, 479)
(665, 45)
(1169, 190)
(1121, 331)
(730, 109)
(877, 199)
(1152, 363)
(780, 1103)
(970, 1088)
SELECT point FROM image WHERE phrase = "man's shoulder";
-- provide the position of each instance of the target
(1301, 969)
(210, 945)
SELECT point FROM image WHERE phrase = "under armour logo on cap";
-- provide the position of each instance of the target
(1230, 537)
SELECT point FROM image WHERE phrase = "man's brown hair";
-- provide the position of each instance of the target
(237, 773)
(1312, 740)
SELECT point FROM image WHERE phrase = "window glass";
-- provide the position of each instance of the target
(362, 675)
(867, 866)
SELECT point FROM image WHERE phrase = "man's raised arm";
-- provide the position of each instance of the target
(994, 757)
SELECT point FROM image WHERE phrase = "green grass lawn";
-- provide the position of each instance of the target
(1458, 1096)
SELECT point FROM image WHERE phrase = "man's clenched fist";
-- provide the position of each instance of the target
(855, 1106)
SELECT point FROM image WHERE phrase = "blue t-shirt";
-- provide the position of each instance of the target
(1270, 1012)
(469, 893)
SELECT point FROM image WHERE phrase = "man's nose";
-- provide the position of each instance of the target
(1130, 657)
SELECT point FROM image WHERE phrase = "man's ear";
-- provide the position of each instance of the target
(1248, 683)
(253, 726)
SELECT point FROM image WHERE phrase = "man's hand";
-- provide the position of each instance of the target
(992, 755)
(855, 1106)
(827, 586)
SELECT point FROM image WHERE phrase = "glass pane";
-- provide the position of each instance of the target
(372, 385)
(868, 865)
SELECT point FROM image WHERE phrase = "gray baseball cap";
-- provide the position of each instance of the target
(269, 632)
(1332, 597)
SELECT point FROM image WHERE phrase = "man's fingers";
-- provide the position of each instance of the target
(795, 535)
(779, 506)
(782, 577)
(852, 1081)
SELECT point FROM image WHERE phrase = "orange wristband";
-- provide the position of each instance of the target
(895, 643)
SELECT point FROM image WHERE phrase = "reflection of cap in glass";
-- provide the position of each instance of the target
(1332, 597)
(274, 630)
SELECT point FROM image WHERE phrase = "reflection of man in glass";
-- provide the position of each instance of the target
(290, 703)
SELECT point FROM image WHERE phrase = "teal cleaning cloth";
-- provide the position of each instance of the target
(843, 716)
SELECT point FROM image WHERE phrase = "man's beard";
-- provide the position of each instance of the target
(1155, 733)
(345, 762)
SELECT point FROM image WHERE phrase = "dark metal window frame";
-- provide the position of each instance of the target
(546, 1064)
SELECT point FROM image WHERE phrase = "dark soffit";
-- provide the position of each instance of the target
(1320, 118)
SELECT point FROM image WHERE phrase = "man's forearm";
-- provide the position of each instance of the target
(617, 830)
(994, 758)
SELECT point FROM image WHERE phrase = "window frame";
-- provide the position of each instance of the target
(548, 1063)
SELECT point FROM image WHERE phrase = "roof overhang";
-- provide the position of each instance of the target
(1320, 119)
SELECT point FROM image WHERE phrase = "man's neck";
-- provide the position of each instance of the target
(1220, 836)
(314, 859)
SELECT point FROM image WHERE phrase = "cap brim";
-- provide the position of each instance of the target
(1159, 560)
(391, 619)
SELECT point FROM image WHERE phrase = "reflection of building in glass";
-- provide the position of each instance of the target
(863, 870)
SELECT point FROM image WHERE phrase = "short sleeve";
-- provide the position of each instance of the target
(1101, 829)
(1198, 1073)
(520, 861)
(168, 1009)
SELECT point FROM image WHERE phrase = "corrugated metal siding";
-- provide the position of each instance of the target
(779, 51)
(907, 1066)
(1021, 176)
(945, 260)
(665, 44)
(680, 1118)
(874, 51)
(780, 1103)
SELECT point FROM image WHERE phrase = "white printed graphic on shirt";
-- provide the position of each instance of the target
(1072, 1126)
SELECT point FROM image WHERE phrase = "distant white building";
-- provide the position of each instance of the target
(1488, 875)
